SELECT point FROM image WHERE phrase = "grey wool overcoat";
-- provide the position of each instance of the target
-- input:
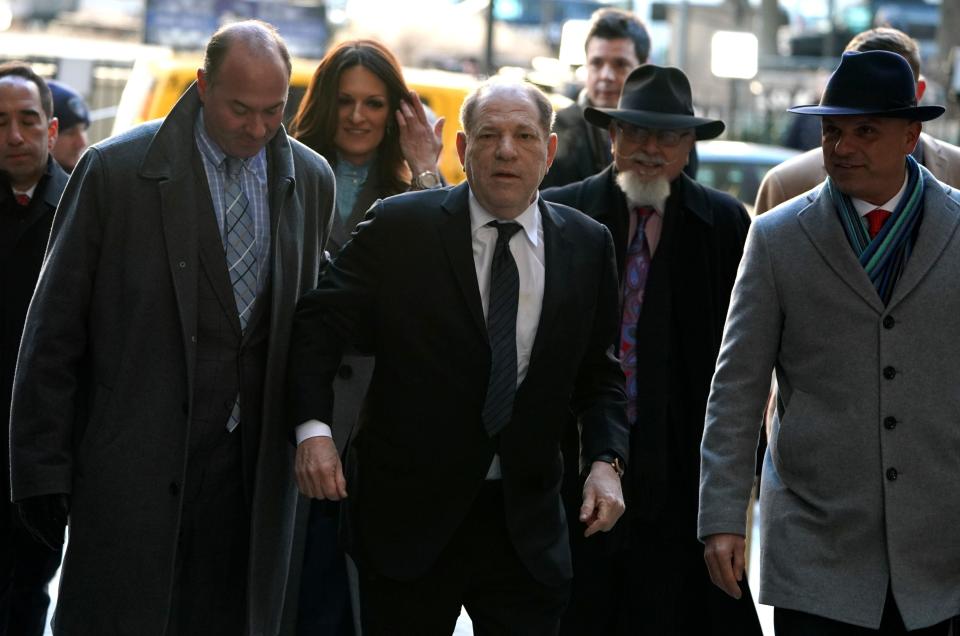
(861, 479)
(103, 390)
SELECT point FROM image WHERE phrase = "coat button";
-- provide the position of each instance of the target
(174, 488)
(182, 264)
(892, 474)
(345, 372)
(889, 423)
(889, 373)
(888, 322)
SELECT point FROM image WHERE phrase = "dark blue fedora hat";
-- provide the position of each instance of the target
(656, 97)
(871, 83)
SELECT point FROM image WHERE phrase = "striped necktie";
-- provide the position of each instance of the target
(502, 331)
(239, 240)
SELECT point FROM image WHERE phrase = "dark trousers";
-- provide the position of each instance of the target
(787, 622)
(26, 567)
(653, 584)
(479, 570)
(210, 580)
(324, 605)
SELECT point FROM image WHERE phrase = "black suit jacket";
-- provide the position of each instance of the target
(405, 288)
(679, 332)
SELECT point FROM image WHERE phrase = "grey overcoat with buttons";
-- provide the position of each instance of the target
(102, 395)
(861, 479)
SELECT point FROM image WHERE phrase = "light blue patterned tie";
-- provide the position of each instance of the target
(239, 240)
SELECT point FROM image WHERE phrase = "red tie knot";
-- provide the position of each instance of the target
(875, 220)
(645, 211)
(22, 199)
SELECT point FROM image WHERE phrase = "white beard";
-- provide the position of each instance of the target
(641, 193)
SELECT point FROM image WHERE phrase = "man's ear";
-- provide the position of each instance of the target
(462, 146)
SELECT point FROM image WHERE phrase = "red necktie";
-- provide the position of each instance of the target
(875, 220)
(22, 199)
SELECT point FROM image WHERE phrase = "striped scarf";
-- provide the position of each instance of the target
(884, 257)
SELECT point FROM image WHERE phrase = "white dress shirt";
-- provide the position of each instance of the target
(528, 252)
(527, 249)
(864, 207)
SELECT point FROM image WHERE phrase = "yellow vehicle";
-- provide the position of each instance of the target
(155, 85)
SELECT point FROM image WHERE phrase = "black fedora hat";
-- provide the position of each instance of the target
(656, 97)
(871, 83)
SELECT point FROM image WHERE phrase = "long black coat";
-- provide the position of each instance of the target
(23, 241)
(679, 331)
(405, 288)
(103, 391)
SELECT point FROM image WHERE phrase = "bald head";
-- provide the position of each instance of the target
(258, 38)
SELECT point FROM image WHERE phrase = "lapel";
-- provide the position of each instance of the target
(212, 254)
(933, 157)
(286, 215)
(167, 162)
(556, 249)
(819, 221)
(458, 244)
(941, 215)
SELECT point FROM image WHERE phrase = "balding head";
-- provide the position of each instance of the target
(256, 36)
(513, 89)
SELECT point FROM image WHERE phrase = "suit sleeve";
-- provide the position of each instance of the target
(599, 397)
(739, 390)
(336, 316)
(49, 391)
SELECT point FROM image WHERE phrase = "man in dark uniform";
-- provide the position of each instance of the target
(30, 186)
(678, 245)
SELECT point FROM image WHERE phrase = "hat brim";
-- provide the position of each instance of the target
(920, 113)
(703, 127)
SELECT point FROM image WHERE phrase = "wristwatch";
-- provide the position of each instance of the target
(614, 462)
(427, 180)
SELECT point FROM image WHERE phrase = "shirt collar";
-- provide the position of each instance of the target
(863, 207)
(529, 220)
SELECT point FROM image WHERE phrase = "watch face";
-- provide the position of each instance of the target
(428, 180)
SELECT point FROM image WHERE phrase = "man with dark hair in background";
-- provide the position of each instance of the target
(30, 186)
(148, 394)
(617, 43)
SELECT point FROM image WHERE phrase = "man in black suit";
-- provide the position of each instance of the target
(678, 245)
(491, 314)
(30, 186)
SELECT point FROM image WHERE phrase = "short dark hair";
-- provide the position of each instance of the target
(259, 35)
(616, 24)
(888, 39)
(535, 95)
(24, 70)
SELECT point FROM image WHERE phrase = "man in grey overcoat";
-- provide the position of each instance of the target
(148, 395)
(850, 294)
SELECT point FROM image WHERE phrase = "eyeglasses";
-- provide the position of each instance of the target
(637, 135)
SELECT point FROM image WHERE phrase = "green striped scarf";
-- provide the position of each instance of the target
(884, 257)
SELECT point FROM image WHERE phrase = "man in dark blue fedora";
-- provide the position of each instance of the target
(849, 292)
(677, 244)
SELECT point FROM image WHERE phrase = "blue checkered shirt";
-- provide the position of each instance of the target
(254, 183)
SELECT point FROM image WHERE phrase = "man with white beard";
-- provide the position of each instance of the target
(678, 245)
